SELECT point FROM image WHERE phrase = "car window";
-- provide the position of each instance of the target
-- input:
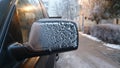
(28, 12)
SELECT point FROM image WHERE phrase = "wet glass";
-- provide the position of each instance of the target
(29, 11)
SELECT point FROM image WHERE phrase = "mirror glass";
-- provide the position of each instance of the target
(53, 35)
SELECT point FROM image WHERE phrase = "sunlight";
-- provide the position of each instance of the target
(28, 8)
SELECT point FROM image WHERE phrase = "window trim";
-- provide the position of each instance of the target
(45, 14)
(6, 26)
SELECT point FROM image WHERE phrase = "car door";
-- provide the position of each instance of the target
(15, 26)
(9, 32)
(28, 11)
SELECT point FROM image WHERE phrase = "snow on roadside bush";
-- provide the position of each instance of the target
(114, 46)
(109, 33)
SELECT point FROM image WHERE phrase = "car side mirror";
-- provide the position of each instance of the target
(47, 37)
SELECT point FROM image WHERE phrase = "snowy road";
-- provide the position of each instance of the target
(90, 54)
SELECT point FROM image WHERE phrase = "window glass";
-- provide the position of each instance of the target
(28, 12)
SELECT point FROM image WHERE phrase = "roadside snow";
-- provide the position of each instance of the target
(114, 46)
(90, 37)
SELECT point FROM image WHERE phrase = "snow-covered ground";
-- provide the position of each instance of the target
(96, 39)
(88, 55)
(73, 60)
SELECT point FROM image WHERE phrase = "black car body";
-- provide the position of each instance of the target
(16, 18)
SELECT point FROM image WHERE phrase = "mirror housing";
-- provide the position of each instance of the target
(47, 36)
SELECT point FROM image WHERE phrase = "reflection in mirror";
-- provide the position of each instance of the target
(28, 11)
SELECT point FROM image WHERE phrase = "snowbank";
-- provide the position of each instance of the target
(90, 37)
(114, 46)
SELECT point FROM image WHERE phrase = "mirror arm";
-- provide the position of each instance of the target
(21, 51)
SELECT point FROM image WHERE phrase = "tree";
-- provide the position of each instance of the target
(58, 9)
(100, 9)
(66, 9)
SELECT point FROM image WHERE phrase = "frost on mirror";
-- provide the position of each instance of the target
(54, 35)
